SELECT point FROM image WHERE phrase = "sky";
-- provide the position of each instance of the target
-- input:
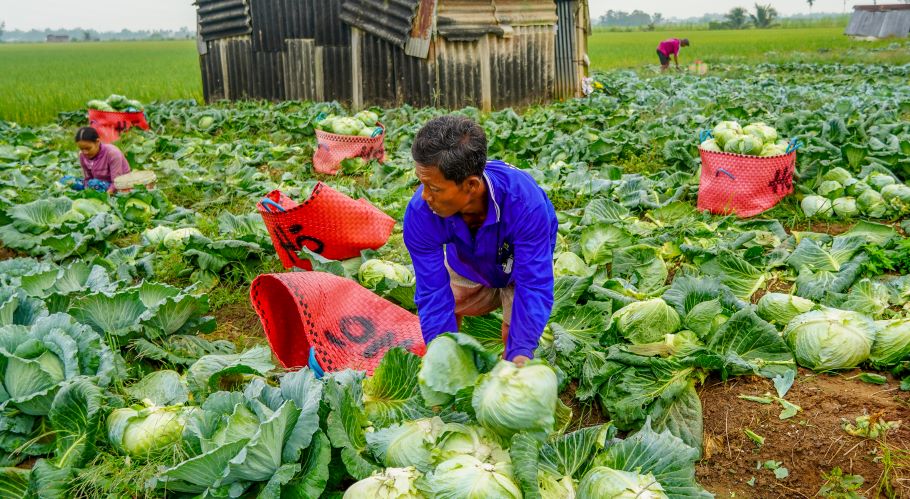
(114, 15)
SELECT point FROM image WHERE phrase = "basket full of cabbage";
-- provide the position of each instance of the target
(745, 169)
(347, 141)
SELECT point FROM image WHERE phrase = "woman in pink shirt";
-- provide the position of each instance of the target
(668, 47)
(99, 161)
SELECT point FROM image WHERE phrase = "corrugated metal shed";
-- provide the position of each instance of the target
(880, 21)
(448, 53)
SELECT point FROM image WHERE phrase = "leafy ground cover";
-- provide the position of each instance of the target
(664, 316)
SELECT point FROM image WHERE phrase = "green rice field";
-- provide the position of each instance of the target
(46, 79)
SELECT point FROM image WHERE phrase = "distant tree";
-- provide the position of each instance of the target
(2, 27)
(810, 2)
(657, 18)
(737, 17)
(764, 16)
(86, 36)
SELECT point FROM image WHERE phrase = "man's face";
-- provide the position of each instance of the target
(443, 196)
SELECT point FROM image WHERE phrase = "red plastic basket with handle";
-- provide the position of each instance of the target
(347, 325)
(332, 149)
(111, 124)
(744, 185)
(328, 223)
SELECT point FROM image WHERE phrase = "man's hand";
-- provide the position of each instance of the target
(520, 360)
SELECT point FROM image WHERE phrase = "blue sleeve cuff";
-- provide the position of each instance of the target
(521, 351)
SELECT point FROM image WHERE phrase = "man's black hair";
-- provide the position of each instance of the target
(87, 133)
(454, 144)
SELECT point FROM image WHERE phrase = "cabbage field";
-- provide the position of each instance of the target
(687, 355)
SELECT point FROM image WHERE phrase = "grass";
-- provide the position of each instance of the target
(40, 80)
(615, 50)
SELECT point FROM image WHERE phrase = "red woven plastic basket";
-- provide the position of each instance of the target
(328, 223)
(332, 149)
(743, 185)
(348, 326)
(111, 124)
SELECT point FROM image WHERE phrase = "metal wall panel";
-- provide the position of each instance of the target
(389, 20)
(465, 20)
(896, 23)
(565, 84)
(212, 77)
(237, 58)
(458, 74)
(416, 79)
(300, 70)
(525, 12)
(336, 63)
(329, 28)
(222, 18)
(377, 67)
(522, 66)
(268, 75)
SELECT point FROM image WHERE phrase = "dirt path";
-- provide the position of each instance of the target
(808, 444)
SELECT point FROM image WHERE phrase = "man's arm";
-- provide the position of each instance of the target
(533, 277)
(676, 61)
(433, 296)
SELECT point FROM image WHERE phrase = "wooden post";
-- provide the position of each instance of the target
(356, 72)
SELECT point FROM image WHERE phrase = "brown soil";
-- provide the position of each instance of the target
(810, 443)
(7, 254)
(238, 323)
(773, 286)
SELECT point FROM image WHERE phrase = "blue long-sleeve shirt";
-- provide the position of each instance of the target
(514, 245)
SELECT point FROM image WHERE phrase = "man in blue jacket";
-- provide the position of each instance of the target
(481, 236)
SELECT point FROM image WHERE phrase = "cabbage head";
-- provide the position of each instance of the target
(830, 189)
(774, 149)
(509, 399)
(35, 362)
(845, 207)
(368, 118)
(146, 430)
(744, 144)
(879, 181)
(461, 439)
(816, 206)
(568, 263)
(898, 197)
(466, 477)
(606, 483)
(391, 483)
(83, 209)
(839, 175)
(347, 126)
(892, 343)
(762, 131)
(829, 339)
(373, 271)
(731, 125)
(155, 236)
(781, 308)
(448, 366)
(646, 321)
(711, 145)
(552, 487)
(179, 237)
(857, 188)
(407, 444)
(872, 204)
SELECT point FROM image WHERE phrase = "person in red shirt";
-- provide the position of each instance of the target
(670, 47)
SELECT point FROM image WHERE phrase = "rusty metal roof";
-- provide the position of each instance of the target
(223, 18)
(389, 20)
